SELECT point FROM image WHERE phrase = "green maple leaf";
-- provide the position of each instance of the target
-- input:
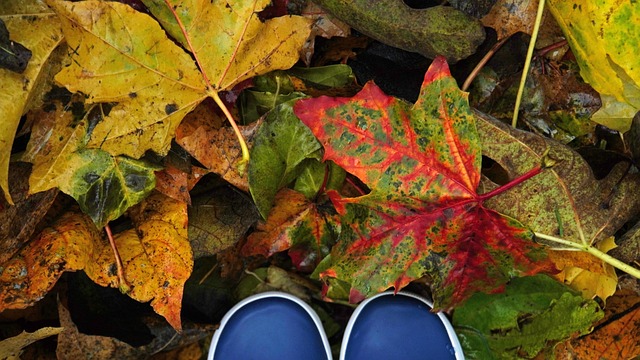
(423, 215)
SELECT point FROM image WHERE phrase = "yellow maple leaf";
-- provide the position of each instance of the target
(38, 29)
(124, 56)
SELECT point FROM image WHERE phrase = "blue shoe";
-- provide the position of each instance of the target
(400, 326)
(270, 325)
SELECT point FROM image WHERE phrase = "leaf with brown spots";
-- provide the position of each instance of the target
(156, 82)
(156, 255)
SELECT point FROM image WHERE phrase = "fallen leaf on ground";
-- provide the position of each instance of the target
(155, 82)
(521, 321)
(423, 215)
(104, 186)
(19, 222)
(176, 183)
(508, 17)
(617, 335)
(565, 200)
(599, 36)
(218, 219)
(37, 28)
(201, 133)
(277, 157)
(586, 273)
(12, 347)
(156, 256)
(297, 225)
(69, 244)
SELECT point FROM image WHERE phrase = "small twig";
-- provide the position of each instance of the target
(483, 62)
(122, 282)
(527, 62)
(595, 252)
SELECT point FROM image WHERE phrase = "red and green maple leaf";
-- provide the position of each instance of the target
(423, 215)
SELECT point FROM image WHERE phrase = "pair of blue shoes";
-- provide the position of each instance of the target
(275, 325)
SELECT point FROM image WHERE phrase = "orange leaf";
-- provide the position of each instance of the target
(68, 245)
(617, 335)
(202, 135)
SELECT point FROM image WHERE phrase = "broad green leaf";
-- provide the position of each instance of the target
(153, 80)
(520, 322)
(36, 27)
(603, 36)
(423, 215)
(281, 145)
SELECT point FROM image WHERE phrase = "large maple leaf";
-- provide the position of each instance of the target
(423, 215)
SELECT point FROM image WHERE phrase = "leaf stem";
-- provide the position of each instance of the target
(483, 62)
(595, 252)
(517, 181)
(236, 130)
(527, 62)
(122, 282)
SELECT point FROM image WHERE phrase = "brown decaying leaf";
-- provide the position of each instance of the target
(218, 219)
(70, 244)
(18, 222)
(508, 17)
(201, 133)
(156, 255)
(325, 25)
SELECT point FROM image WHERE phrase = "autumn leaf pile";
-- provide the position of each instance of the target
(131, 115)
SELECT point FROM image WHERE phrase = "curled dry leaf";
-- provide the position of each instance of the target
(156, 256)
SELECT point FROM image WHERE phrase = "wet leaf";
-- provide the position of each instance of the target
(423, 215)
(297, 225)
(154, 81)
(176, 184)
(281, 146)
(41, 34)
(156, 255)
(602, 36)
(316, 174)
(519, 322)
(218, 219)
